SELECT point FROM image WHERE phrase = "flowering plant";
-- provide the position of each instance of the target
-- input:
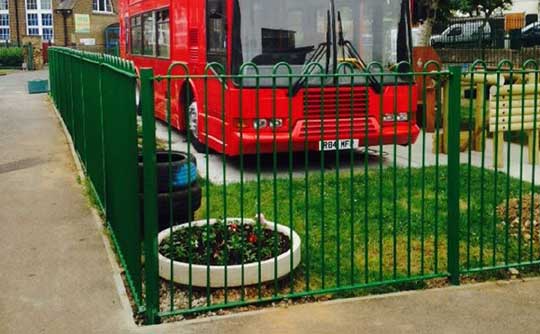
(233, 242)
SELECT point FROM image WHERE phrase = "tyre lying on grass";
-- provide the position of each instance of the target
(276, 247)
(181, 212)
(177, 187)
(182, 171)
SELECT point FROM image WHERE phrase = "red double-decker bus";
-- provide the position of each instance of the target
(268, 113)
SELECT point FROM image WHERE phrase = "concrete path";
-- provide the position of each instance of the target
(55, 275)
(502, 307)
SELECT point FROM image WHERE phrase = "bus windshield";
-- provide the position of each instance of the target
(267, 32)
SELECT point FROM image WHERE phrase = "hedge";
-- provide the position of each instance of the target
(11, 57)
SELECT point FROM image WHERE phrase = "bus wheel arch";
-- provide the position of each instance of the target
(188, 103)
(138, 106)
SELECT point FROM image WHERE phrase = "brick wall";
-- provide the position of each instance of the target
(58, 26)
(98, 22)
(13, 21)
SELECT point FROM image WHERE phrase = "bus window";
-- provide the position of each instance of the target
(216, 34)
(136, 35)
(163, 33)
(149, 34)
(298, 27)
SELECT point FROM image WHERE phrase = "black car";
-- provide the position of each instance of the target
(530, 35)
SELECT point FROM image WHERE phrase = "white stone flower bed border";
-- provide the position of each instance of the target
(234, 272)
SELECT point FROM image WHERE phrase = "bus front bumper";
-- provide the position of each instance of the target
(311, 135)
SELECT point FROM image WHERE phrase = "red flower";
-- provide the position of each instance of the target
(252, 238)
(233, 227)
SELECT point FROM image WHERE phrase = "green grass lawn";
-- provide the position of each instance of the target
(379, 226)
(5, 72)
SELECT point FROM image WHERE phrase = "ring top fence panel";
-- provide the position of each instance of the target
(310, 184)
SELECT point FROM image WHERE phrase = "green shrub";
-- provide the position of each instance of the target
(11, 57)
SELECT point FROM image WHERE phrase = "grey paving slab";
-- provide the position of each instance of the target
(55, 274)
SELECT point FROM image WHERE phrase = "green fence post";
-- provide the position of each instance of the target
(150, 197)
(454, 120)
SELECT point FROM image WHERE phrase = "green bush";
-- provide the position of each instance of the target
(11, 57)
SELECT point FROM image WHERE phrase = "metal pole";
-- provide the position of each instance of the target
(454, 120)
(150, 197)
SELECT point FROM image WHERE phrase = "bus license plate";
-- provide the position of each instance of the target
(343, 144)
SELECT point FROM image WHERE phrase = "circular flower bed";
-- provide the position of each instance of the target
(239, 246)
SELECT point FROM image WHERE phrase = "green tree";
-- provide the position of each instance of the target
(435, 11)
(442, 9)
(484, 8)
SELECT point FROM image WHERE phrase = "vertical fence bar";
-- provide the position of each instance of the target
(101, 123)
(150, 197)
(454, 120)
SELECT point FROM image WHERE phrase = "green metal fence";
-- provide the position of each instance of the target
(383, 216)
(95, 95)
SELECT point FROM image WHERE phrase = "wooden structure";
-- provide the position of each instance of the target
(473, 94)
(475, 99)
(426, 84)
(513, 108)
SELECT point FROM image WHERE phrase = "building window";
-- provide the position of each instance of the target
(136, 35)
(45, 4)
(39, 19)
(46, 19)
(4, 20)
(48, 34)
(163, 33)
(31, 4)
(32, 20)
(4, 34)
(103, 6)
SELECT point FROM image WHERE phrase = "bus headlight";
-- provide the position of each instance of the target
(399, 117)
(388, 117)
(275, 123)
(402, 117)
(260, 123)
(263, 123)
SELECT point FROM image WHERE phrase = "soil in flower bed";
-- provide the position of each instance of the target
(520, 224)
(223, 243)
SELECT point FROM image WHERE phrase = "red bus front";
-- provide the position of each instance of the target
(267, 106)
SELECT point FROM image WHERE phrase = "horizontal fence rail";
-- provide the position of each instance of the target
(287, 182)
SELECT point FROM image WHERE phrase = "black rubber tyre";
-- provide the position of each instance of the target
(187, 99)
(179, 171)
(181, 212)
(180, 209)
(197, 145)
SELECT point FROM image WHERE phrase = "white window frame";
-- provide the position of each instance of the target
(39, 11)
(103, 10)
(6, 12)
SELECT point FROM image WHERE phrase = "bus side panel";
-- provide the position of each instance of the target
(179, 30)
